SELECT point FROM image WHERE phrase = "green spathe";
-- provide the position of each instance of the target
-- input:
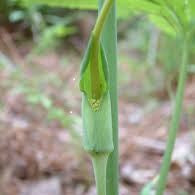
(97, 126)
(94, 79)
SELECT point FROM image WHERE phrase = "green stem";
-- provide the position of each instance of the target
(175, 121)
(102, 18)
(99, 164)
(109, 41)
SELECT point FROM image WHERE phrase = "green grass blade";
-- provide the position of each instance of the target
(109, 41)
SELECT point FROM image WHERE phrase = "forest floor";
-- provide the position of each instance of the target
(41, 156)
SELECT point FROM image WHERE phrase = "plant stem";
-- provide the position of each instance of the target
(109, 41)
(99, 164)
(102, 18)
(175, 120)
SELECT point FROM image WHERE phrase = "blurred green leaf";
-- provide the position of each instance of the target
(38, 98)
(56, 113)
(168, 15)
(79, 4)
(33, 98)
(46, 102)
(192, 68)
(192, 8)
(50, 37)
(163, 24)
(16, 16)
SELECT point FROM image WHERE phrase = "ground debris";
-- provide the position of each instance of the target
(49, 186)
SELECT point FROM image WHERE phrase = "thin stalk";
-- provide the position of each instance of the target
(175, 121)
(103, 13)
(99, 165)
(109, 41)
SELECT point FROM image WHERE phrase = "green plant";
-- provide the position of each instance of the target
(96, 106)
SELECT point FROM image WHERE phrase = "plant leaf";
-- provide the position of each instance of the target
(168, 15)
(73, 4)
